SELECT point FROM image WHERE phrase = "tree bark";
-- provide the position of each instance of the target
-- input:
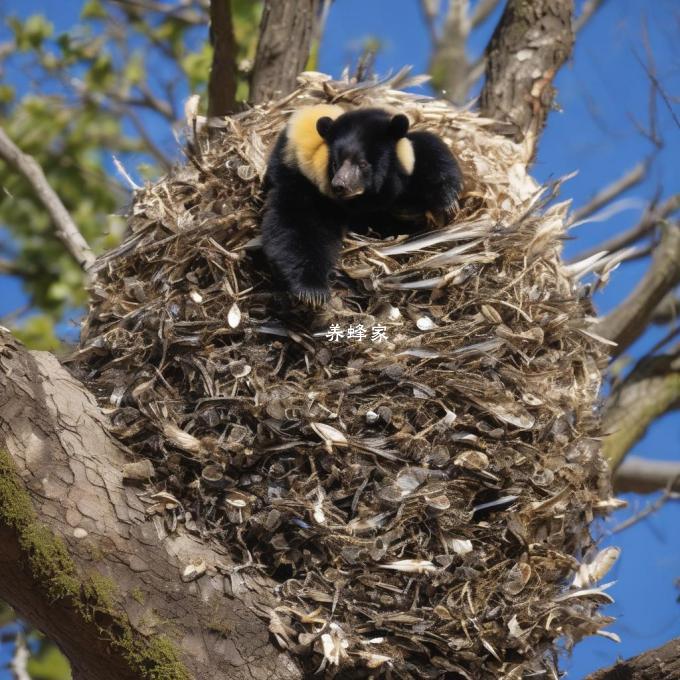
(649, 391)
(84, 561)
(222, 83)
(286, 32)
(662, 663)
(628, 321)
(531, 42)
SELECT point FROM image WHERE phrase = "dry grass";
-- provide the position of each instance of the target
(424, 501)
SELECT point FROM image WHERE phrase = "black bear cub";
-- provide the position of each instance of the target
(332, 170)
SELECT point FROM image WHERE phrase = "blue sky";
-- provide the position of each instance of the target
(602, 93)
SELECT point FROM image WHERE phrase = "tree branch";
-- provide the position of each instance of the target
(650, 219)
(180, 11)
(667, 311)
(528, 47)
(449, 64)
(610, 192)
(662, 663)
(640, 475)
(286, 32)
(590, 7)
(91, 565)
(649, 510)
(651, 389)
(429, 11)
(66, 229)
(222, 83)
(625, 324)
(483, 11)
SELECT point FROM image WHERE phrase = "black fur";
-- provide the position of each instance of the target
(302, 228)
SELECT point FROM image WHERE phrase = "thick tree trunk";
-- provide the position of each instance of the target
(222, 83)
(83, 560)
(531, 42)
(662, 663)
(286, 33)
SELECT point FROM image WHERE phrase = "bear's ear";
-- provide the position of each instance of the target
(399, 126)
(323, 126)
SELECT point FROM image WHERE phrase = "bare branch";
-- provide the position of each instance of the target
(589, 9)
(650, 219)
(66, 229)
(430, 15)
(641, 475)
(145, 100)
(146, 138)
(648, 510)
(626, 323)
(121, 106)
(610, 192)
(651, 389)
(483, 11)
(650, 70)
(520, 71)
(286, 32)
(150, 101)
(222, 84)
(180, 11)
(667, 311)
(475, 72)
(662, 663)
(449, 63)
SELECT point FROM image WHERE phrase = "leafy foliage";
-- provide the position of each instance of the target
(111, 84)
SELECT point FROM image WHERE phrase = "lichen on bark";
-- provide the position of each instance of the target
(53, 571)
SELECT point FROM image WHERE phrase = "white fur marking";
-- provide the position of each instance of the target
(406, 155)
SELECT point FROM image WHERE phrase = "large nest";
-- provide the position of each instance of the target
(422, 495)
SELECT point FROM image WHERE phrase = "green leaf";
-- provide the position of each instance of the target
(93, 9)
(196, 66)
(36, 30)
(38, 333)
(134, 71)
(6, 94)
(49, 664)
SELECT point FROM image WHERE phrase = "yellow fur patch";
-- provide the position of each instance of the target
(306, 147)
(405, 154)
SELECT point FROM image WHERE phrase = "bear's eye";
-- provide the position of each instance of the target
(363, 165)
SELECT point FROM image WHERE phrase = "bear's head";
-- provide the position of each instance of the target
(369, 157)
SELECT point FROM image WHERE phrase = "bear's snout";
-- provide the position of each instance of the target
(348, 181)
